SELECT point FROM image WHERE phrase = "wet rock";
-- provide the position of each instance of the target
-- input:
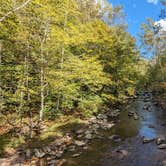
(147, 107)
(90, 131)
(59, 154)
(120, 153)
(59, 142)
(88, 136)
(118, 140)
(151, 126)
(123, 152)
(39, 153)
(81, 131)
(164, 163)
(61, 162)
(85, 147)
(146, 99)
(28, 153)
(147, 140)
(76, 155)
(115, 138)
(33, 162)
(79, 143)
(131, 113)
(52, 162)
(107, 126)
(160, 140)
(80, 136)
(46, 149)
(71, 148)
(93, 120)
(95, 126)
(162, 146)
(136, 117)
(102, 117)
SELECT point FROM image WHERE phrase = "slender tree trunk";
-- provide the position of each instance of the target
(63, 47)
(42, 84)
(42, 70)
(1, 95)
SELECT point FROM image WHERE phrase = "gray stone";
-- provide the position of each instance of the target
(114, 137)
(59, 154)
(160, 140)
(80, 131)
(88, 136)
(162, 146)
(71, 148)
(148, 140)
(28, 153)
(76, 155)
(79, 143)
(123, 152)
(39, 153)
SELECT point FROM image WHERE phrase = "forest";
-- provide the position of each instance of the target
(68, 69)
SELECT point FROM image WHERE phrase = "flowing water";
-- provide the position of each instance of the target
(151, 124)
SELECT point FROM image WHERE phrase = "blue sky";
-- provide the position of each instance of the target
(137, 11)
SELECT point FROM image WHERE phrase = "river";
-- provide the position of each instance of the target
(151, 124)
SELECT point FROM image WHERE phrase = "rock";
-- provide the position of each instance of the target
(59, 142)
(79, 136)
(102, 117)
(81, 131)
(123, 152)
(164, 163)
(28, 153)
(160, 140)
(113, 114)
(118, 140)
(136, 117)
(162, 146)
(46, 149)
(33, 162)
(59, 154)
(114, 137)
(120, 154)
(76, 155)
(71, 148)
(85, 147)
(88, 132)
(79, 143)
(92, 120)
(88, 136)
(147, 140)
(61, 162)
(95, 126)
(107, 125)
(131, 113)
(147, 107)
(39, 153)
(52, 162)
(151, 126)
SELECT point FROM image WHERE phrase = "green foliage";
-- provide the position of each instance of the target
(61, 56)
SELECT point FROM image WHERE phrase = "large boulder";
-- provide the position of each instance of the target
(147, 140)
(160, 140)
(162, 146)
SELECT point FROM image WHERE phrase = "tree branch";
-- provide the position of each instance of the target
(17, 8)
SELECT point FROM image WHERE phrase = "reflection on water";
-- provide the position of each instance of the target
(127, 127)
(147, 132)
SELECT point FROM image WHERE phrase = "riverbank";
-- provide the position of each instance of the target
(67, 134)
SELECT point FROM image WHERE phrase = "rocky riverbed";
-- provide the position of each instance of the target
(135, 136)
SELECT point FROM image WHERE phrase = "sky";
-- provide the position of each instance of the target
(137, 11)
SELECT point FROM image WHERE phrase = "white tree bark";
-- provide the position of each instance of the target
(14, 10)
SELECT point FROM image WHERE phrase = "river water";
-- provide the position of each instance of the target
(151, 124)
